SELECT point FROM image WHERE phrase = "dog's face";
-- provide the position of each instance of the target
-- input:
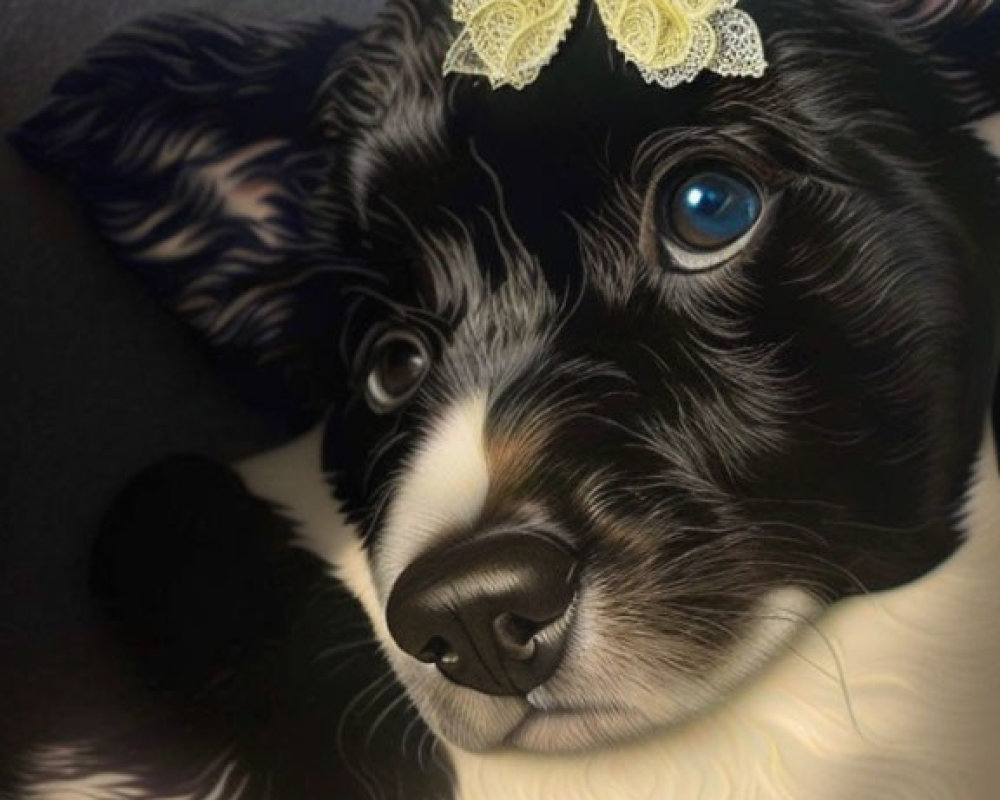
(642, 380)
(627, 384)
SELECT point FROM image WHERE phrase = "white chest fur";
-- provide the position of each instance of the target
(890, 696)
(894, 695)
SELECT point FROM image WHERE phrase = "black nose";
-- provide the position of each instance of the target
(490, 611)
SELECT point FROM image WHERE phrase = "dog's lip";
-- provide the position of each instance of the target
(536, 714)
(572, 711)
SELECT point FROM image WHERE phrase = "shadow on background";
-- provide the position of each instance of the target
(96, 382)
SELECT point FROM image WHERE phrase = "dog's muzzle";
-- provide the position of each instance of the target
(492, 612)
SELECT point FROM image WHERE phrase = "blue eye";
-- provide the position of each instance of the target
(712, 208)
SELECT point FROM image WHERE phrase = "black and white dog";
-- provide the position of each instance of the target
(636, 503)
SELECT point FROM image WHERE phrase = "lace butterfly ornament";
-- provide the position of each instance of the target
(670, 41)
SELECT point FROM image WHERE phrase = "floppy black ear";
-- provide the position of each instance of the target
(191, 142)
(965, 36)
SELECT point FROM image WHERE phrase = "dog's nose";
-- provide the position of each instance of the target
(490, 612)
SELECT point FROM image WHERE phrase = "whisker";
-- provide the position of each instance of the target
(421, 759)
(346, 647)
(438, 757)
(403, 697)
(790, 615)
(410, 727)
(355, 769)
(841, 676)
(382, 450)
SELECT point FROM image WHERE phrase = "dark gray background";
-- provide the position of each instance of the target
(95, 381)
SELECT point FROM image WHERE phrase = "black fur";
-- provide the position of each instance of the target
(163, 85)
(252, 649)
(815, 404)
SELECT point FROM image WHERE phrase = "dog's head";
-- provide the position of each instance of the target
(626, 384)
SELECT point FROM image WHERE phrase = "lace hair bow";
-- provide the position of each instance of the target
(670, 41)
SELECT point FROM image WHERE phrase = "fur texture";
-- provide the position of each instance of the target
(739, 450)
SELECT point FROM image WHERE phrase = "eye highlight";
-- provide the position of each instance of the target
(397, 366)
(707, 215)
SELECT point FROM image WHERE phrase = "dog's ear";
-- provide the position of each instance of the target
(964, 35)
(402, 54)
(193, 144)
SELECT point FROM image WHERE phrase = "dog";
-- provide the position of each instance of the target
(593, 498)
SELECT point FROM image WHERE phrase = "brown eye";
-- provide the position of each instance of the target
(399, 362)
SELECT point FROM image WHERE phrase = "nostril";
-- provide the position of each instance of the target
(490, 612)
(437, 651)
(516, 636)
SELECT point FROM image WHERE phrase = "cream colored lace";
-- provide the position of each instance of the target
(670, 41)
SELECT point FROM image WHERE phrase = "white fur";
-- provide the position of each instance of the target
(446, 486)
(894, 695)
(292, 478)
(891, 696)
